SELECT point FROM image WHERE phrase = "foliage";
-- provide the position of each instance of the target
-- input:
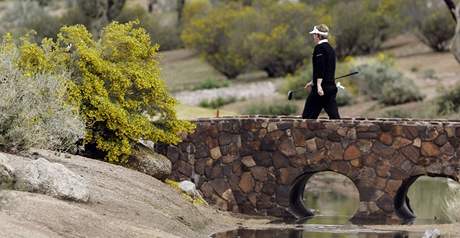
(364, 34)
(21, 17)
(115, 82)
(122, 96)
(211, 83)
(380, 81)
(436, 30)
(400, 91)
(217, 103)
(195, 9)
(166, 36)
(100, 12)
(343, 98)
(270, 37)
(449, 100)
(284, 108)
(281, 44)
(33, 108)
(431, 21)
(219, 40)
(397, 113)
(294, 82)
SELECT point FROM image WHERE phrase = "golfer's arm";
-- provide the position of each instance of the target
(319, 81)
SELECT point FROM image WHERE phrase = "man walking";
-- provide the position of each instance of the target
(323, 89)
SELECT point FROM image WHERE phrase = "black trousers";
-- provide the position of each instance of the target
(315, 103)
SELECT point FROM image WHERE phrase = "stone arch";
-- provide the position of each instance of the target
(401, 202)
(296, 193)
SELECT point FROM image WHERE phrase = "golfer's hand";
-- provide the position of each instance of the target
(320, 91)
(309, 84)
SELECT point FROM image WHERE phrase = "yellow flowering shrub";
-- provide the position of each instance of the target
(116, 83)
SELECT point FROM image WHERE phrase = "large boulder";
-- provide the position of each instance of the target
(6, 173)
(147, 161)
(53, 179)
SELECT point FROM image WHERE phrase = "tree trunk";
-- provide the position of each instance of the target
(180, 9)
(456, 41)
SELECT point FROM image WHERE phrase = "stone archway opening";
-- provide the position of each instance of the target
(428, 199)
(329, 196)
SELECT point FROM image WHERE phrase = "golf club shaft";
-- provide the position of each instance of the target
(343, 76)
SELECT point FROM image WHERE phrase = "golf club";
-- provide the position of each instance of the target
(291, 93)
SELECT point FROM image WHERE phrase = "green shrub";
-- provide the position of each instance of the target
(449, 100)
(436, 29)
(344, 98)
(195, 9)
(380, 81)
(400, 91)
(366, 33)
(281, 44)
(433, 23)
(219, 37)
(272, 109)
(33, 108)
(21, 17)
(294, 82)
(211, 83)
(218, 102)
(168, 37)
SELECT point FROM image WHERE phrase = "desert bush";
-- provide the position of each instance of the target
(21, 17)
(364, 34)
(298, 81)
(116, 83)
(33, 108)
(272, 109)
(211, 83)
(122, 96)
(380, 81)
(281, 44)
(400, 91)
(219, 37)
(168, 37)
(217, 102)
(437, 29)
(195, 9)
(449, 100)
(344, 98)
(430, 21)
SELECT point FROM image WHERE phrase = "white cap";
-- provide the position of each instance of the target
(316, 31)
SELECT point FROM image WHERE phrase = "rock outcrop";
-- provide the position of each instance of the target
(147, 161)
(42, 176)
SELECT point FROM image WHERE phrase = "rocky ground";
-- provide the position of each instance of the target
(123, 203)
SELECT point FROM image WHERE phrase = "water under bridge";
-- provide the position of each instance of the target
(260, 165)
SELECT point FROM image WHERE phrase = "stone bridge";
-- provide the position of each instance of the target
(260, 165)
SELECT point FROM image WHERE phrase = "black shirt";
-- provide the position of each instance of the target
(324, 65)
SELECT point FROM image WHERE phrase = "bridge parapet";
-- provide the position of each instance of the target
(259, 165)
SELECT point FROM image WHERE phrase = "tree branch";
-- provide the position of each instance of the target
(451, 5)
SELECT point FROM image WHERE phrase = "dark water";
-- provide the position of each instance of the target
(434, 200)
(293, 233)
(336, 199)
